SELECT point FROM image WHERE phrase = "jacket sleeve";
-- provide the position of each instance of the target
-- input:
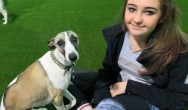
(107, 75)
(104, 78)
(172, 97)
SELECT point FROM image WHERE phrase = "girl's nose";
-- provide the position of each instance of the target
(138, 19)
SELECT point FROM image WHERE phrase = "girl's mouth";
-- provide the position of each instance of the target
(137, 27)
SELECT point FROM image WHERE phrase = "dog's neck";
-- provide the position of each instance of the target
(56, 58)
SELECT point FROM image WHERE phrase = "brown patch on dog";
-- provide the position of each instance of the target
(17, 97)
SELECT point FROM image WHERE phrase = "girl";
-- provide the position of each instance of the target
(146, 62)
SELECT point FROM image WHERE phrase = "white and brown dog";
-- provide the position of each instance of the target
(3, 11)
(46, 80)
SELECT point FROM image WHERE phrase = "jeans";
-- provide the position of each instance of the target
(109, 104)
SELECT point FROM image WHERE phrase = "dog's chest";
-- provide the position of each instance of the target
(57, 76)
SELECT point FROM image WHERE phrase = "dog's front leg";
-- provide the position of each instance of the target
(5, 15)
(71, 98)
(60, 107)
(40, 109)
(57, 99)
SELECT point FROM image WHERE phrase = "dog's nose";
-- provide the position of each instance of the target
(73, 57)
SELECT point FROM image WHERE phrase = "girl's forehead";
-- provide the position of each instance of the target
(145, 3)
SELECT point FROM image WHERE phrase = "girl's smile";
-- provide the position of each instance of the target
(137, 27)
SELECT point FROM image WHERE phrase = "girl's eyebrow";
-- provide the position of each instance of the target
(145, 7)
(131, 4)
(152, 8)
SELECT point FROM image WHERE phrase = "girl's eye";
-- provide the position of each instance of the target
(149, 13)
(131, 9)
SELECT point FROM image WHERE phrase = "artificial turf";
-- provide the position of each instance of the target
(33, 22)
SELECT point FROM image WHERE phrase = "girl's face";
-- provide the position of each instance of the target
(142, 16)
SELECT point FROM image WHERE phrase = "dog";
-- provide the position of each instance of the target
(3, 11)
(46, 80)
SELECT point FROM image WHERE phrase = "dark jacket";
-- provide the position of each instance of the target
(169, 90)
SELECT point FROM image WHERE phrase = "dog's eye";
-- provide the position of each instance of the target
(74, 39)
(60, 43)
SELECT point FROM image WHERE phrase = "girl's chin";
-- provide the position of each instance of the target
(138, 33)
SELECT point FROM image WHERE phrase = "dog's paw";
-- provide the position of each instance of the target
(5, 21)
(71, 104)
(40, 109)
(68, 106)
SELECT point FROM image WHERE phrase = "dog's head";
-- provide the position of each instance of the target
(67, 44)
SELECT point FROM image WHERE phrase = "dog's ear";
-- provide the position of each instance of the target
(51, 44)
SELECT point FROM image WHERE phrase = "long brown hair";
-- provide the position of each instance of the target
(167, 42)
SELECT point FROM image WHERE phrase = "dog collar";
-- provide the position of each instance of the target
(62, 66)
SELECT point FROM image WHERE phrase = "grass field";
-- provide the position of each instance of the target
(33, 22)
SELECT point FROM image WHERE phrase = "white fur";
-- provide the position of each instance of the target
(42, 103)
(186, 80)
(12, 82)
(40, 109)
(54, 72)
(2, 106)
(3, 11)
(69, 47)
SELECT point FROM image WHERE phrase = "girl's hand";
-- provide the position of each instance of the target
(118, 88)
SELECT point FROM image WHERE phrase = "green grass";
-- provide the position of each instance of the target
(33, 22)
(184, 15)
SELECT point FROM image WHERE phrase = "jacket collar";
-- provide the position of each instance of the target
(112, 32)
